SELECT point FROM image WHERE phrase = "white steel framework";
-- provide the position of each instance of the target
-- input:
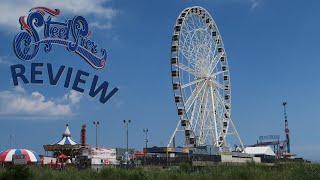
(201, 80)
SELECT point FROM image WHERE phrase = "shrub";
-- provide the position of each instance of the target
(16, 172)
(299, 171)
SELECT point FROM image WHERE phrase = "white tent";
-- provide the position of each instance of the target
(259, 150)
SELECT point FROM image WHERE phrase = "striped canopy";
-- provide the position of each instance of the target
(7, 155)
(66, 141)
(66, 138)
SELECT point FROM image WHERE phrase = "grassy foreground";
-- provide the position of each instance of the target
(227, 172)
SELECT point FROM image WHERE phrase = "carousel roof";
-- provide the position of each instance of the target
(66, 138)
(66, 142)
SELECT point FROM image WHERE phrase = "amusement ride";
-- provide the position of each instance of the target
(201, 82)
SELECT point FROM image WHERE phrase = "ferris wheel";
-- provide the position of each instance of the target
(201, 80)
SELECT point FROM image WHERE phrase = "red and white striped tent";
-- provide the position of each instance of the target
(7, 156)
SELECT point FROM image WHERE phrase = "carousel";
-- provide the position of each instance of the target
(66, 146)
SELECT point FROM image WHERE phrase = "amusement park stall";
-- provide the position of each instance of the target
(19, 157)
(103, 156)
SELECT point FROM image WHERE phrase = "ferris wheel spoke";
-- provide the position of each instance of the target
(189, 53)
(198, 107)
(191, 83)
(218, 73)
(210, 51)
(215, 61)
(217, 84)
(215, 48)
(188, 56)
(193, 96)
(222, 102)
(187, 69)
(187, 28)
(186, 38)
(219, 98)
(193, 111)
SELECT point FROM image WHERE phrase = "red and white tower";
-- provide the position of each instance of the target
(286, 126)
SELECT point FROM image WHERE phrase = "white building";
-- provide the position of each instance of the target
(103, 156)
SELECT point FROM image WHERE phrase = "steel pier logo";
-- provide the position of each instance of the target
(72, 34)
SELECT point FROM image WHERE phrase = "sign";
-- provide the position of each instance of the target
(72, 34)
(106, 155)
(19, 159)
(40, 30)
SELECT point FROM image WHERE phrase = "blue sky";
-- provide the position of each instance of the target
(273, 55)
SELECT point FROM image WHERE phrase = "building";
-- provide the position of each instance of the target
(264, 152)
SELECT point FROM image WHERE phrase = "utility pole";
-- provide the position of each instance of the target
(286, 126)
(126, 122)
(96, 123)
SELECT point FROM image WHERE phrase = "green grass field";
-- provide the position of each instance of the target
(226, 172)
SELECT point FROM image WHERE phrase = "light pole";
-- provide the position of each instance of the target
(146, 137)
(146, 130)
(126, 122)
(96, 123)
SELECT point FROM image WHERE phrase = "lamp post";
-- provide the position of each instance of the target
(96, 123)
(146, 137)
(126, 122)
(146, 130)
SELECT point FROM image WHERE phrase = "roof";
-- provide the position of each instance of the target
(66, 143)
(67, 131)
(259, 150)
(8, 155)
(66, 138)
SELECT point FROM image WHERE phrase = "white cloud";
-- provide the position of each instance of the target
(11, 10)
(18, 103)
(99, 25)
(19, 89)
(255, 4)
(3, 60)
(73, 97)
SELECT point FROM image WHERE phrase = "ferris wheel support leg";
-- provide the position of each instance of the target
(237, 134)
(173, 134)
(214, 116)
